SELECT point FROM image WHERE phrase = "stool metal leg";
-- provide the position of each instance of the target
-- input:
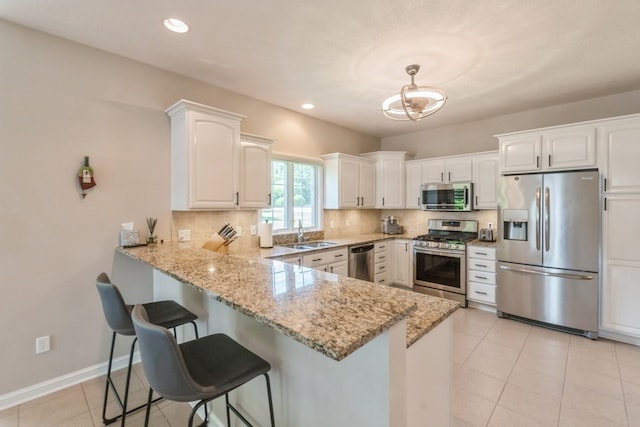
(273, 423)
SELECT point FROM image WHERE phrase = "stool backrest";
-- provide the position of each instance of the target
(117, 313)
(162, 360)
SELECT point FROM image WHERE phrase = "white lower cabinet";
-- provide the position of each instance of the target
(402, 268)
(332, 261)
(481, 274)
(381, 257)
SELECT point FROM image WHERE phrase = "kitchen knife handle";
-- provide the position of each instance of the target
(538, 218)
(547, 219)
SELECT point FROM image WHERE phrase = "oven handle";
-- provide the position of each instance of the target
(454, 254)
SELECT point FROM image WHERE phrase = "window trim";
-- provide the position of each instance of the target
(319, 197)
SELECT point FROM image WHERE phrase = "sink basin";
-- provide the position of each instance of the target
(311, 245)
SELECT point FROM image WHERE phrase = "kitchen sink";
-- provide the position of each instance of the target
(311, 245)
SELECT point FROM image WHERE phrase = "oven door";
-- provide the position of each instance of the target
(440, 269)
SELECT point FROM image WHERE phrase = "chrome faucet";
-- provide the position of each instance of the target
(300, 232)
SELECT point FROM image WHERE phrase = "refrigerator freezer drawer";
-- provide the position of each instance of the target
(557, 297)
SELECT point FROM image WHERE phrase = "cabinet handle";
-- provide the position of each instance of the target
(441, 176)
(332, 269)
(381, 281)
(476, 200)
(269, 199)
(481, 253)
(537, 161)
(481, 265)
(382, 257)
(383, 201)
(605, 185)
(316, 260)
(449, 176)
(339, 256)
(605, 203)
(549, 160)
(362, 201)
(406, 247)
(480, 277)
(237, 198)
(418, 200)
(481, 293)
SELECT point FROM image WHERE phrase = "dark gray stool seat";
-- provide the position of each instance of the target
(168, 314)
(199, 370)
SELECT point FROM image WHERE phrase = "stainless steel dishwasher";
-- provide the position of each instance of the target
(361, 262)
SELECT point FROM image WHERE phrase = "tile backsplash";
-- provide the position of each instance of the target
(337, 223)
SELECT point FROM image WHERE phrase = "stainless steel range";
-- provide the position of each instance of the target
(439, 259)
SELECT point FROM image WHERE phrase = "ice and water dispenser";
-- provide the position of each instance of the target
(515, 224)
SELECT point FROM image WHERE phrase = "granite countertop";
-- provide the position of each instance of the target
(483, 244)
(331, 314)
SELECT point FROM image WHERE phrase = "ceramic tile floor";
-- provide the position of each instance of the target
(506, 373)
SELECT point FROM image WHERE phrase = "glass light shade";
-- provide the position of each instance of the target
(421, 102)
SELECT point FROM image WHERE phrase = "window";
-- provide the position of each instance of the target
(296, 196)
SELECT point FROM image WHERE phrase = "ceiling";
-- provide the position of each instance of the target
(491, 57)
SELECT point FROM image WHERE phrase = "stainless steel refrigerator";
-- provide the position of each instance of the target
(548, 249)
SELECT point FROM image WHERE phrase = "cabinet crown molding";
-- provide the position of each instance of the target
(183, 105)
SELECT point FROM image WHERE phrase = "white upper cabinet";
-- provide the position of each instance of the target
(559, 148)
(255, 171)
(447, 169)
(349, 182)
(413, 181)
(485, 177)
(621, 152)
(212, 165)
(390, 178)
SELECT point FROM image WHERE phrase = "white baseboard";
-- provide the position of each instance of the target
(47, 387)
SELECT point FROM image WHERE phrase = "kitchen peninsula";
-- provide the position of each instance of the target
(344, 352)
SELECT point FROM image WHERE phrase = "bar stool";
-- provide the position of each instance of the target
(199, 370)
(169, 314)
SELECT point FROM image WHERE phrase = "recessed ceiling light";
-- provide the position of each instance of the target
(308, 106)
(176, 25)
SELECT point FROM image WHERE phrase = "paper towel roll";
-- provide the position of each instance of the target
(266, 236)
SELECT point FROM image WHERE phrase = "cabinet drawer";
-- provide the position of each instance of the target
(380, 257)
(482, 292)
(316, 259)
(481, 252)
(481, 265)
(481, 277)
(337, 256)
(380, 268)
(381, 278)
(381, 246)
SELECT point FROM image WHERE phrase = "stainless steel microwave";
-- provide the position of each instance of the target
(456, 197)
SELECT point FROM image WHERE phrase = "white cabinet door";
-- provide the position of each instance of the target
(204, 157)
(348, 182)
(621, 141)
(339, 268)
(485, 177)
(458, 169)
(520, 153)
(573, 147)
(433, 171)
(413, 181)
(401, 263)
(621, 265)
(390, 183)
(367, 184)
(255, 172)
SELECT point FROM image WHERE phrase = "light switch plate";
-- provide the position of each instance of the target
(184, 235)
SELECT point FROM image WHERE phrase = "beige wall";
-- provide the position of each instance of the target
(478, 136)
(62, 101)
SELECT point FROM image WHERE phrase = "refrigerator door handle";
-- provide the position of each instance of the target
(538, 218)
(547, 219)
(546, 273)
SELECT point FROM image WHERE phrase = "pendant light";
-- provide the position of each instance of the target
(413, 103)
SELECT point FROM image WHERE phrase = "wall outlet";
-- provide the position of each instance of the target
(253, 230)
(43, 344)
(490, 224)
(184, 235)
(347, 223)
(331, 224)
(238, 230)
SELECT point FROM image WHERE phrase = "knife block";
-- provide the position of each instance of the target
(216, 244)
